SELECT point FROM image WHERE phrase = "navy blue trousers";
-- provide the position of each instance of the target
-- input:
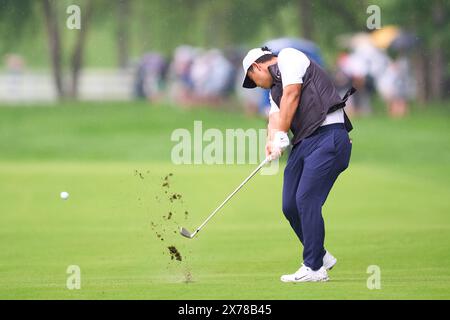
(311, 170)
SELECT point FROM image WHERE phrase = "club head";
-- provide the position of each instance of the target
(185, 233)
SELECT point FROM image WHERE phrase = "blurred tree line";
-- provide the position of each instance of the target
(138, 26)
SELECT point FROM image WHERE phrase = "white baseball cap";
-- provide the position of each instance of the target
(249, 59)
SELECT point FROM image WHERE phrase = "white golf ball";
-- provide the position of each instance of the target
(64, 195)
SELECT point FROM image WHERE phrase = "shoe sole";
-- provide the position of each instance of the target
(293, 281)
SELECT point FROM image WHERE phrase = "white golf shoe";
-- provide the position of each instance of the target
(328, 261)
(306, 274)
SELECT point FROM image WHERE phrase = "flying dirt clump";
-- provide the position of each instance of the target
(137, 173)
(174, 253)
(168, 216)
(175, 196)
(159, 236)
(166, 183)
(166, 180)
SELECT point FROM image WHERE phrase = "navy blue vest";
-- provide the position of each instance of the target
(318, 98)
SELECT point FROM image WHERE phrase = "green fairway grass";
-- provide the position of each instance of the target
(391, 209)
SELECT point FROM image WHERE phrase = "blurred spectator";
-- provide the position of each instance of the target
(181, 85)
(397, 84)
(15, 65)
(354, 70)
(396, 87)
(362, 66)
(212, 75)
(199, 77)
(150, 77)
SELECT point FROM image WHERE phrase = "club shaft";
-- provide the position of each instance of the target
(231, 195)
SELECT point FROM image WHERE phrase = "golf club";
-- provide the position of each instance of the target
(185, 233)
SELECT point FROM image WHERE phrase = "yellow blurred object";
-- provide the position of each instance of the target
(382, 38)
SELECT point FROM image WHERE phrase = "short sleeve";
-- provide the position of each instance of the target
(273, 106)
(292, 64)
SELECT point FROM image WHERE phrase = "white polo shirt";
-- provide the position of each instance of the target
(293, 64)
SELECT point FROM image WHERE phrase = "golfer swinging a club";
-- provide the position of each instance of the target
(304, 100)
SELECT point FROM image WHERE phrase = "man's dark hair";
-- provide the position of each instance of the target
(264, 58)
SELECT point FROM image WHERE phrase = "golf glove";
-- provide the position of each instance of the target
(279, 144)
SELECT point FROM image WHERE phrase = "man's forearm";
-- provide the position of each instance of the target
(273, 125)
(288, 106)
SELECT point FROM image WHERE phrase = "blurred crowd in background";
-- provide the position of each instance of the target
(376, 63)
(189, 53)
